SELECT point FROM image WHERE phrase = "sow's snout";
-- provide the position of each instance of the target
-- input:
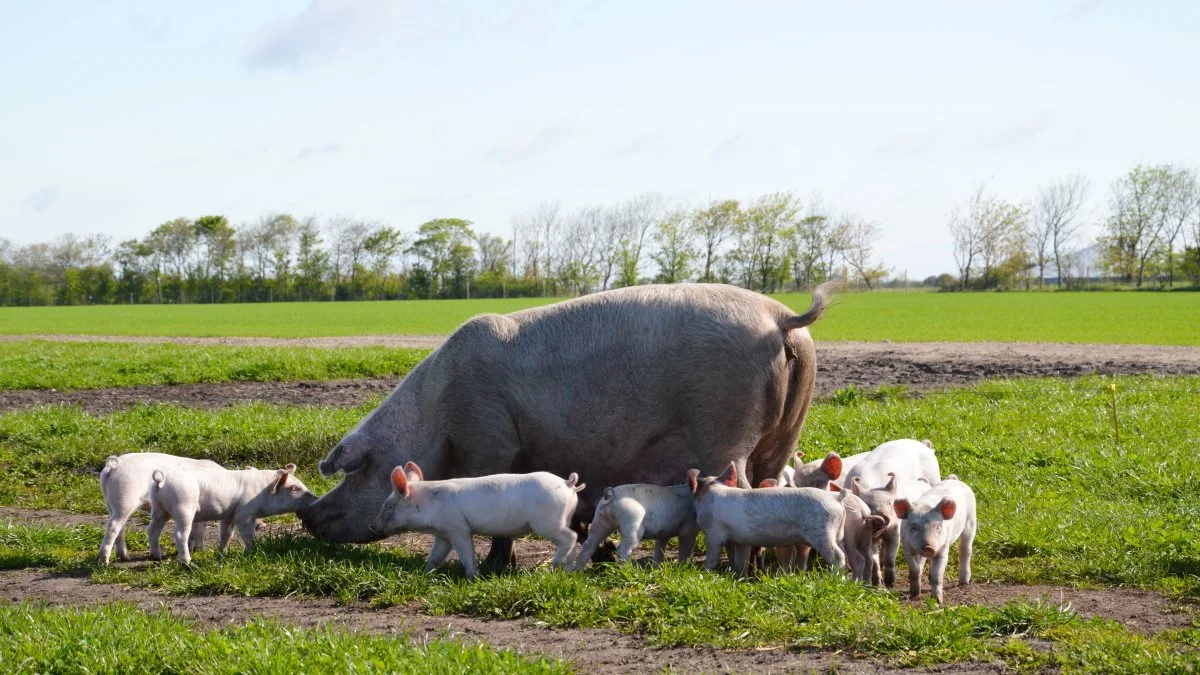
(333, 522)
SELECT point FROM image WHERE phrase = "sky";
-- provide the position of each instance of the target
(117, 116)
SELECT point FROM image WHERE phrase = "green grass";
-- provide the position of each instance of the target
(38, 364)
(1060, 501)
(50, 457)
(672, 605)
(1119, 318)
(121, 639)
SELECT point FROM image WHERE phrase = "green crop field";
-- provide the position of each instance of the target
(40, 364)
(1061, 501)
(1098, 317)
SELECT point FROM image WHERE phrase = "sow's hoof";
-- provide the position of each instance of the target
(606, 553)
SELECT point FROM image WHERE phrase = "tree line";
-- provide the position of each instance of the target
(1149, 234)
(772, 243)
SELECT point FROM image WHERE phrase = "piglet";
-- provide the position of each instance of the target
(745, 518)
(125, 483)
(233, 498)
(814, 474)
(643, 511)
(891, 471)
(861, 530)
(945, 513)
(506, 505)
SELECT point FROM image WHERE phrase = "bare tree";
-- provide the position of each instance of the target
(545, 218)
(858, 246)
(347, 241)
(579, 251)
(713, 225)
(608, 246)
(1182, 202)
(989, 231)
(811, 239)
(1056, 220)
(634, 220)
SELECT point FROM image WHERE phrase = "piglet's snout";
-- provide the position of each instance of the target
(928, 552)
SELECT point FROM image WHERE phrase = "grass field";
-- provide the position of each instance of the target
(123, 639)
(1060, 500)
(1098, 317)
(39, 364)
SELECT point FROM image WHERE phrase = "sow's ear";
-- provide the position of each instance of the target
(400, 481)
(347, 457)
(947, 507)
(694, 479)
(729, 476)
(902, 508)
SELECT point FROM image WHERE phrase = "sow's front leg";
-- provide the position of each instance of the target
(500, 556)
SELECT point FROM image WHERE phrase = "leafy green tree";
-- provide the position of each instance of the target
(441, 245)
(675, 247)
(218, 243)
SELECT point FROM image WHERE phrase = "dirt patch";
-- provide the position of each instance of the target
(39, 517)
(592, 650)
(339, 393)
(1143, 611)
(917, 366)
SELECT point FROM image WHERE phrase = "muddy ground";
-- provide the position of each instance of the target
(917, 366)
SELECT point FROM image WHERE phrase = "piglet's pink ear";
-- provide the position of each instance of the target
(833, 487)
(768, 483)
(729, 476)
(400, 481)
(856, 486)
(693, 479)
(832, 465)
(413, 472)
(901, 507)
(799, 457)
(947, 507)
(280, 481)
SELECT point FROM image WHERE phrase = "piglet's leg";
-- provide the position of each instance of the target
(464, 546)
(437, 554)
(937, 572)
(246, 528)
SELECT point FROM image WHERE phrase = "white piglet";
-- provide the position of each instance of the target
(893, 470)
(780, 517)
(500, 505)
(233, 498)
(932, 523)
(125, 483)
(643, 511)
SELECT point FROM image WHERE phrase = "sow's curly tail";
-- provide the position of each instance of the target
(820, 300)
